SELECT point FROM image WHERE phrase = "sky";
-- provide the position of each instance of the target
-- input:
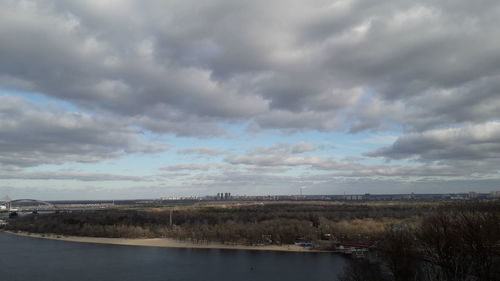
(147, 99)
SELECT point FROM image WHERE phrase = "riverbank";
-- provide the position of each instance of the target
(163, 242)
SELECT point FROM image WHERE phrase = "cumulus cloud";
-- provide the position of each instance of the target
(32, 134)
(318, 63)
(475, 142)
(428, 69)
(280, 158)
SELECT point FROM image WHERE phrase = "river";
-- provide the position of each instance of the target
(36, 259)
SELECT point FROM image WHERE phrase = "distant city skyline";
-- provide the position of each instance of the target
(130, 99)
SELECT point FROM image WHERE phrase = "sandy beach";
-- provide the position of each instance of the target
(163, 242)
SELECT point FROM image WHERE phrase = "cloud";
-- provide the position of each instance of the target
(285, 148)
(255, 182)
(200, 151)
(77, 176)
(275, 160)
(309, 69)
(299, 121)
(32, 134)
(189, 167)
(474, 142)
(282, 158)
(427, 70)
(349, 168)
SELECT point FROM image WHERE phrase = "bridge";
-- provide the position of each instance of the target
(26, 205)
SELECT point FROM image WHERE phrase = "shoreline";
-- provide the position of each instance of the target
(164, 242)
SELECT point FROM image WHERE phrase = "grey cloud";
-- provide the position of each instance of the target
(184, 68)
(161, 65)
(352, 169)
(78, 176)
(190, 167)
(475, 102)
(282, 158)
(302, 147)
(201, 151)
(32, 135)
(281, 154)
(374, 171)
(81, 64)
(375, 114)
(475, 142)
(302, 121)
(266, 169)
(433, 45)
(274, 160)
(285, 148)
(190, 126)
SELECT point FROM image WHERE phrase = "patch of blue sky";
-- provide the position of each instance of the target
(136, 164)
(243, 140)
(143, 164)
(40, 98)
(336, 145)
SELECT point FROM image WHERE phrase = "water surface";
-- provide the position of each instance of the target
(27, 258)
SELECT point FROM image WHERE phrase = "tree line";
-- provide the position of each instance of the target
(459, 242)
(281, 223)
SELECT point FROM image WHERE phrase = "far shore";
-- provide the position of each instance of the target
(163, 242)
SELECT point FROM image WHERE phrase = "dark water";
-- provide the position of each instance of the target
(33, 259)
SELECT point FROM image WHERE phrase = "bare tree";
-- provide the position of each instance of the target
(399, 252)
(362, 270)
(462, 242)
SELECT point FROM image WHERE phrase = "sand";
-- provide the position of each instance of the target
(164, 242)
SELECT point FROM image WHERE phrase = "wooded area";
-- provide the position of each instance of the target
(459, 242)
(414, 241)
(282, 223)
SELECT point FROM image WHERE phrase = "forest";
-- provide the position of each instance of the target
(418, 241)
(454, 243)
(279, 223)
